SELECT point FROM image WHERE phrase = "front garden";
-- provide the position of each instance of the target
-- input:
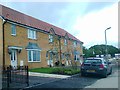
(57, 70)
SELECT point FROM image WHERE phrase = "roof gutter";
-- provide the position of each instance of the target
(26, 26)
(3, 28)
(40, 30)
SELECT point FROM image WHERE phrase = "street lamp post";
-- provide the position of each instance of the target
(106, 42)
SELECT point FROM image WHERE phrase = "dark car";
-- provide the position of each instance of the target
(98, 66)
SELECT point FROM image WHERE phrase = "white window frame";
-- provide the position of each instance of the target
(31, 34)
(50, 38)
(13, 55)
(75, 43)
(65, 41)
(33, 50)
(81, 46)
(13, 29)
(77, 57)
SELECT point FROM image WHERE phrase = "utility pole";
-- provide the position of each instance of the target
(106, 52)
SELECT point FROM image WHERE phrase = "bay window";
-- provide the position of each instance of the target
(33, 56)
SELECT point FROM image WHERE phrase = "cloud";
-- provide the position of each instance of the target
(85, 20)
(91, 27)
(58, 0)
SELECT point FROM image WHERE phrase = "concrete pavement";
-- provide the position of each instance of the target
(110, 82)
(48, 75)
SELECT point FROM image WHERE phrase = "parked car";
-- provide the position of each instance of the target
(98, 66)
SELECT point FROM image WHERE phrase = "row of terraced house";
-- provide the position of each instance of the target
(28, 41)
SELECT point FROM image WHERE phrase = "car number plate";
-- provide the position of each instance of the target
(90, 70)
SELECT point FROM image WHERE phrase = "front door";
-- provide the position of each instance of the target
(13, 58)
(51, 59)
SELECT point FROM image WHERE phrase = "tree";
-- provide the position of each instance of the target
(100, 50)
(85, 52)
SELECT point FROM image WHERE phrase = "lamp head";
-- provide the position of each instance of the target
(108, 28)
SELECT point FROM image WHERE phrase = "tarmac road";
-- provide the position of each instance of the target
(71, 82)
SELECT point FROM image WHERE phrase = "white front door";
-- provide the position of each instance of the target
(13, 58)
(67, 62)
(50, 61)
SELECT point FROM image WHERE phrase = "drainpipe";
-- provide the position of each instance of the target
(3, 28)
(60, 49)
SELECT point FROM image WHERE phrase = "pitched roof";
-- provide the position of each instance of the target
(19, 17)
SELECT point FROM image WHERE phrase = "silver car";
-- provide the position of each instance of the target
(98, 66)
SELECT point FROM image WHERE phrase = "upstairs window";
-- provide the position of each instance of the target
(50, 38)
(31, 34)
(65, 42)
(13, 29)
(75, 43)
(81, 46)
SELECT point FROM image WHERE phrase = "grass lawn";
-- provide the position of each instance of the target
(56, 70)
(42, 70)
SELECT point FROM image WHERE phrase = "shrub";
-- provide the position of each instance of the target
(58, 70)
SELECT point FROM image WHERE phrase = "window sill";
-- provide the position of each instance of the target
(51, 42)
(13, 34)
(34, 61)
(32, 38)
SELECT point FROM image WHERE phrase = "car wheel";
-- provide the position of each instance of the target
(82, 74)
(104, 75)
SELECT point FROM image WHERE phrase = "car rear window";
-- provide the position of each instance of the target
(92, 61)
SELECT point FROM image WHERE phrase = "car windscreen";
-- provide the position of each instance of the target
(92, 61)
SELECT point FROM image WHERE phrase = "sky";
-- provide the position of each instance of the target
(86, 20)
